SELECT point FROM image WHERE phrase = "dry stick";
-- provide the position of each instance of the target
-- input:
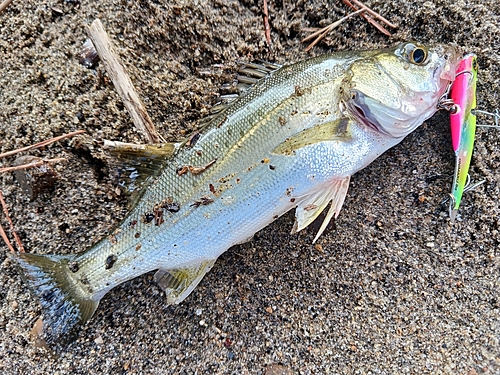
(4, 5)
(267, 28)
(322, 32)
(332, 25)
(41, 144)
(6, 212)
(122, 82)
(375, 14)
(6, 239)
(369, 19)
(31, 165)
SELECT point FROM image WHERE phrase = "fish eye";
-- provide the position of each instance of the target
(415, 54)
(418, 56)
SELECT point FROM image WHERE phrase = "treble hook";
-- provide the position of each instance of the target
(495, 115)
(445, 102)
(468, 187)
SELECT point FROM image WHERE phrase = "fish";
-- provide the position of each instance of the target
(463, 127)
(290, 141)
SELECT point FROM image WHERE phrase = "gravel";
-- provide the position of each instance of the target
(392, 288)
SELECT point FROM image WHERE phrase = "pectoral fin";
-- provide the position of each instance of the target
(323, 132)
(309, 208)
(179, 283)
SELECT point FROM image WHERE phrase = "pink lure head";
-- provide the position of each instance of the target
(460, 94)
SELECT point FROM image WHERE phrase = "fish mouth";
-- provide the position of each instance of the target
(357, 107)
(452, 56)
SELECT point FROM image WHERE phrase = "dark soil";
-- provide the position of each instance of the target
(394, 288)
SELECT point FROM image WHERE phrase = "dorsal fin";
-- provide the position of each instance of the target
(250, 73)
(247, 75)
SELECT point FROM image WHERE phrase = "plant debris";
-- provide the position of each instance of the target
(33, 164)
(4, 4)
(4, 236)
(41, 144)
(34, 180)
(319, 34)
(369, 18)
(88, 55)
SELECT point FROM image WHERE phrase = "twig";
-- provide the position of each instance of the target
(6, 239)
(375, 14)
(16, 237)
(31, 165)
(122, 82)
(330, 26)
(325, 30)
(41, 144)
(369, 19)
(267, 28)
(4, 5)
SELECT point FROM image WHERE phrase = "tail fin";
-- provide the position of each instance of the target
(64, 303)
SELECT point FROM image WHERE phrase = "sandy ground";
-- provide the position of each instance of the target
(393, 288)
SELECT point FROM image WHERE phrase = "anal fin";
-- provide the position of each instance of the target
(179, 283)
(310, 206)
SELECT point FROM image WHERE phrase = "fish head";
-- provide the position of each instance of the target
(394, 90)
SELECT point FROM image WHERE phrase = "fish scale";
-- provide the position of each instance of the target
(247, 152)
(292, 140)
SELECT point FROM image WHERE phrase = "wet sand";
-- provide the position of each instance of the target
(394, 288)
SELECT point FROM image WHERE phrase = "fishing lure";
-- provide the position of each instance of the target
(463, 126)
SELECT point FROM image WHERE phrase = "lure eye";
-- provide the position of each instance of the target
(474, 64)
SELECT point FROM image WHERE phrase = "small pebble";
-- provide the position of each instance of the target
(98, 340)
(275, 369)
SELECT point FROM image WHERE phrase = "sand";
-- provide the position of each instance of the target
(394, 288)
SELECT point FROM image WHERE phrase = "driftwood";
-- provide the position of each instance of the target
(123, 84)
(4, 4)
